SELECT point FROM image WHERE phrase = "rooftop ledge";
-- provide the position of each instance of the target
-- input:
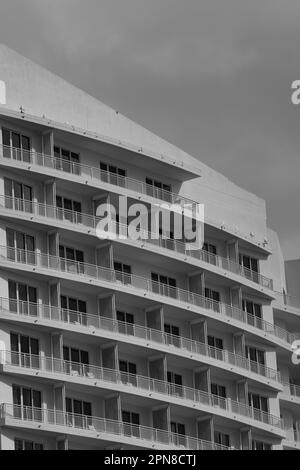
(176, 169)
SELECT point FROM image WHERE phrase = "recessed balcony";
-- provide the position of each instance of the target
(93, 427)
(135, 334)
(138, 285)
(133, 383)
(112, 182)
(69, 218)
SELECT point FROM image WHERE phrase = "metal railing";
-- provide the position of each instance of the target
(91, 221)
(176, 343)
(93, 372)
(106, 427)
(93, 173)
(96, 175)
(291, 389)
(132, 281)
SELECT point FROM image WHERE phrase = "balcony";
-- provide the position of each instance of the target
(79, 219)
(292, 440)
(185, 396)
(83, 173)
(99, 428)
(92, 173)
(138, 285)
(133, 332)
(291, 392)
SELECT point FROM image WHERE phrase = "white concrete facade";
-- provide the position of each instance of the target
(94, 358)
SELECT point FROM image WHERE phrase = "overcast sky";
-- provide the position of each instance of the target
(211, 76)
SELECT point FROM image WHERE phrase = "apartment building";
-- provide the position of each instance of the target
(132, 344)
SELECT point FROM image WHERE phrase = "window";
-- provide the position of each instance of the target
(210, 248)
(66, 160)
(249, 267)
(24, 444)
(178, 430)
(259, 445)
(112, 174)
(213, 299)
(219, 394)
(222, 438)
(76, 361)
(175, 381)
(256, 358)
(215, 347)
(71, 259)
(68, 209)
(73, 310)
(79, 413)
(20, 247)
(209, 253)
(22, 298)
(27, 403)
(131, 422)
(125, 322)
(158, 189)
(164, 285)
(24, 350)
(128, 372)
(260, 405)
(18, 196)
(122, 272)
(16, 145)
(172, 334)
(254, 313)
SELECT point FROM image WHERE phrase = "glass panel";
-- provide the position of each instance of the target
(16, 141)
(10, 237)
(8, 187)
(84, 357)
(25, 143)
(18, 444)
(27, 397)
(34, 346)
(22, 289)
(77, 406)
(69, 407)
(70, 253)
(12, 289)
(75, 355)
(14, 342)
(6, 137)
(72, 304)
(18, 190)
(6, 143)
(87, 408)
(16, 395)
(37, 398)
(24, 343)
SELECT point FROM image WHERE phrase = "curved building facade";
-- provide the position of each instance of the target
(124, 343)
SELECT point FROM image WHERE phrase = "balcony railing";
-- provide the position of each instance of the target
(91, 221)
(96, 175)
(291, 389)
(92, 372)
(132, 281)
(176, 343)
(93, 173)
(107, 427)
